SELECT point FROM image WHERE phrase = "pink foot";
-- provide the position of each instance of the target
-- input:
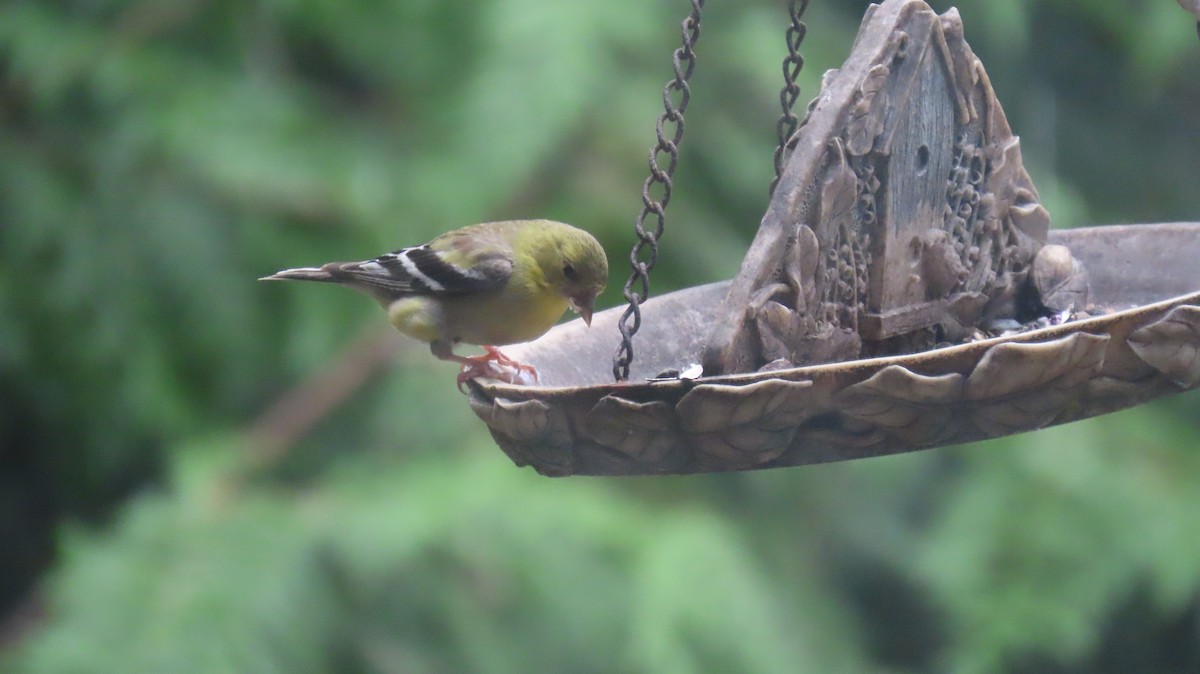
(496, 365)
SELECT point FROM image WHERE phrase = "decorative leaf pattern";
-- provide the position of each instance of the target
(966, 394)
(865, 124)
(748, 424)
(839, 195)
(1020, 386)
(1171, 345)
(643, 431)
(530, 432)
(910, 406)
(1016, 367)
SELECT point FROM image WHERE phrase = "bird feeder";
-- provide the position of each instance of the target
(904, 291)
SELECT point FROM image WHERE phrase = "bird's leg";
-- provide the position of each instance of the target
(493, 363)
(490, 364)
(494, 354)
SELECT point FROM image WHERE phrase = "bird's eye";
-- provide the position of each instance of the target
(569, 270)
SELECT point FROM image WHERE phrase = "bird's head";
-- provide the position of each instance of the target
(578, 269)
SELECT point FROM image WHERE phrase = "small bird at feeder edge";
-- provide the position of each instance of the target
(491, 284)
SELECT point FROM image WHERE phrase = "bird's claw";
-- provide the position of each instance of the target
(495, 365)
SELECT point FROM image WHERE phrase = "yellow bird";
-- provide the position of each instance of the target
(490, 284)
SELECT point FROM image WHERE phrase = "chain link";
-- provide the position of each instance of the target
(785, 128)
(669, 132)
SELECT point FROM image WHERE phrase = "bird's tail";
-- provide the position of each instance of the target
(328, 272)
(369, 277)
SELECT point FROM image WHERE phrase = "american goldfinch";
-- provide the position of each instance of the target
(491, 284)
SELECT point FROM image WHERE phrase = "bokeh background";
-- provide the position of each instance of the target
(201, 473)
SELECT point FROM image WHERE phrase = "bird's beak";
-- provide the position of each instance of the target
(583, 305)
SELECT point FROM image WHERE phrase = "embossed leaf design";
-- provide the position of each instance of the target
(643, 431)
(913, 407)
(1013, 193)
(839, 194)
(778, 328)
(1106, 394)
(1016, 367)
(1022, 386)
(1171, 345)
(745, 425)
(538, 433)
(521, 420)
(801, 268)
(1004, 173)
(865, 122)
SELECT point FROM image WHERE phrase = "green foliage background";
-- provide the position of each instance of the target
(156, 156)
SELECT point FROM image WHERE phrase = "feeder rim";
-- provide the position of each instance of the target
(912, 361)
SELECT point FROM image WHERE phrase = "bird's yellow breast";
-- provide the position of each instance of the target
(493, 319)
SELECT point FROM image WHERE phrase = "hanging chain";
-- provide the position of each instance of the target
(785, 128)
(669, 131)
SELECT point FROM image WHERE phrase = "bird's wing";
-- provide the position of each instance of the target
(451, 265)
